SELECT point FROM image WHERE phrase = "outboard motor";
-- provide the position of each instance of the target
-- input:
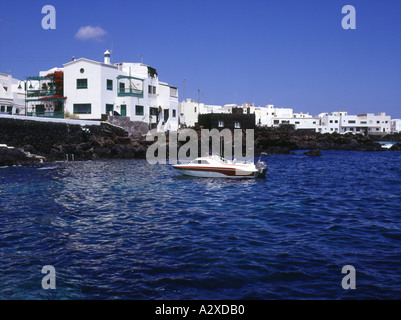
(262, 169)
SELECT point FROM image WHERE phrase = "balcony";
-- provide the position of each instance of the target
(128, 86)
(40, 93)
(130, 92)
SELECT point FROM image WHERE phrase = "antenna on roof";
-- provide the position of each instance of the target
(141, 57)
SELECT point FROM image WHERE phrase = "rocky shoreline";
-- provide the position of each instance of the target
(34, 142)
(57, 141)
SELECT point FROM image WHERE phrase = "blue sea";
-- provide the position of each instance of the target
(125, 229)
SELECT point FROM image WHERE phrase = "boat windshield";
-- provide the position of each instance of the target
(199, 161)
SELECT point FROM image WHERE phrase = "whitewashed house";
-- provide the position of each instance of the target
(94, 89)
(342, 122)
(190, 110)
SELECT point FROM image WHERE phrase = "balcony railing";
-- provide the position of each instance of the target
(46, 114)
(40, 93)
(123, 92)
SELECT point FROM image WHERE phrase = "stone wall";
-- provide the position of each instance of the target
(134, 128)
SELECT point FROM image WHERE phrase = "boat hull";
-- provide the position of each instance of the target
(216, 173)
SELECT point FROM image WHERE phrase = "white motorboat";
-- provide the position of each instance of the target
(218, 167)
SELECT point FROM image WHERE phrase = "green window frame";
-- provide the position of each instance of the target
(82, 108)
(109, 84)
(82, 83)
(139, 110)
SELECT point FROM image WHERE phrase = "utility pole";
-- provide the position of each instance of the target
(183, 92)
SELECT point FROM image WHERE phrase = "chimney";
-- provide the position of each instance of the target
(107, 57)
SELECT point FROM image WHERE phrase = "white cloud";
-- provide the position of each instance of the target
(90, 33)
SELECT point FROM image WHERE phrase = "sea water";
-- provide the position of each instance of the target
(125, 229)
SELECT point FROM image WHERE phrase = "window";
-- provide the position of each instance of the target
(109, 84)
(276, 121)
(237, 125)
(154, 112)
(351, 121)
(296, 122)
(174, 113)
(83, 108)
(221, 123)
(40, 108)
(139, 110)
(151, 89)
(82, 83)
(109, 108)
(336, 121)
(331, 121)
(173, 92)
(122, 87)
(2, 108)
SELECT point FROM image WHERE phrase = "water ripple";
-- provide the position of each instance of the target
(124, 229)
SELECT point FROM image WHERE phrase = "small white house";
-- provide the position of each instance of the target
(12, 95)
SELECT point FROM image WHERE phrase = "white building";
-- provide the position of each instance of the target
(270, 116)
(342, 122)
(91, 90)
(190, 110)
(132, 90)
(12, 95)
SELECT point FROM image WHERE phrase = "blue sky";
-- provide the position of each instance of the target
(289, 53)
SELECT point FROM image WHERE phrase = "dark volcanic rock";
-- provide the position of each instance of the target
(56, 141)
(9, 157)
(396, 147)
(313, 153)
